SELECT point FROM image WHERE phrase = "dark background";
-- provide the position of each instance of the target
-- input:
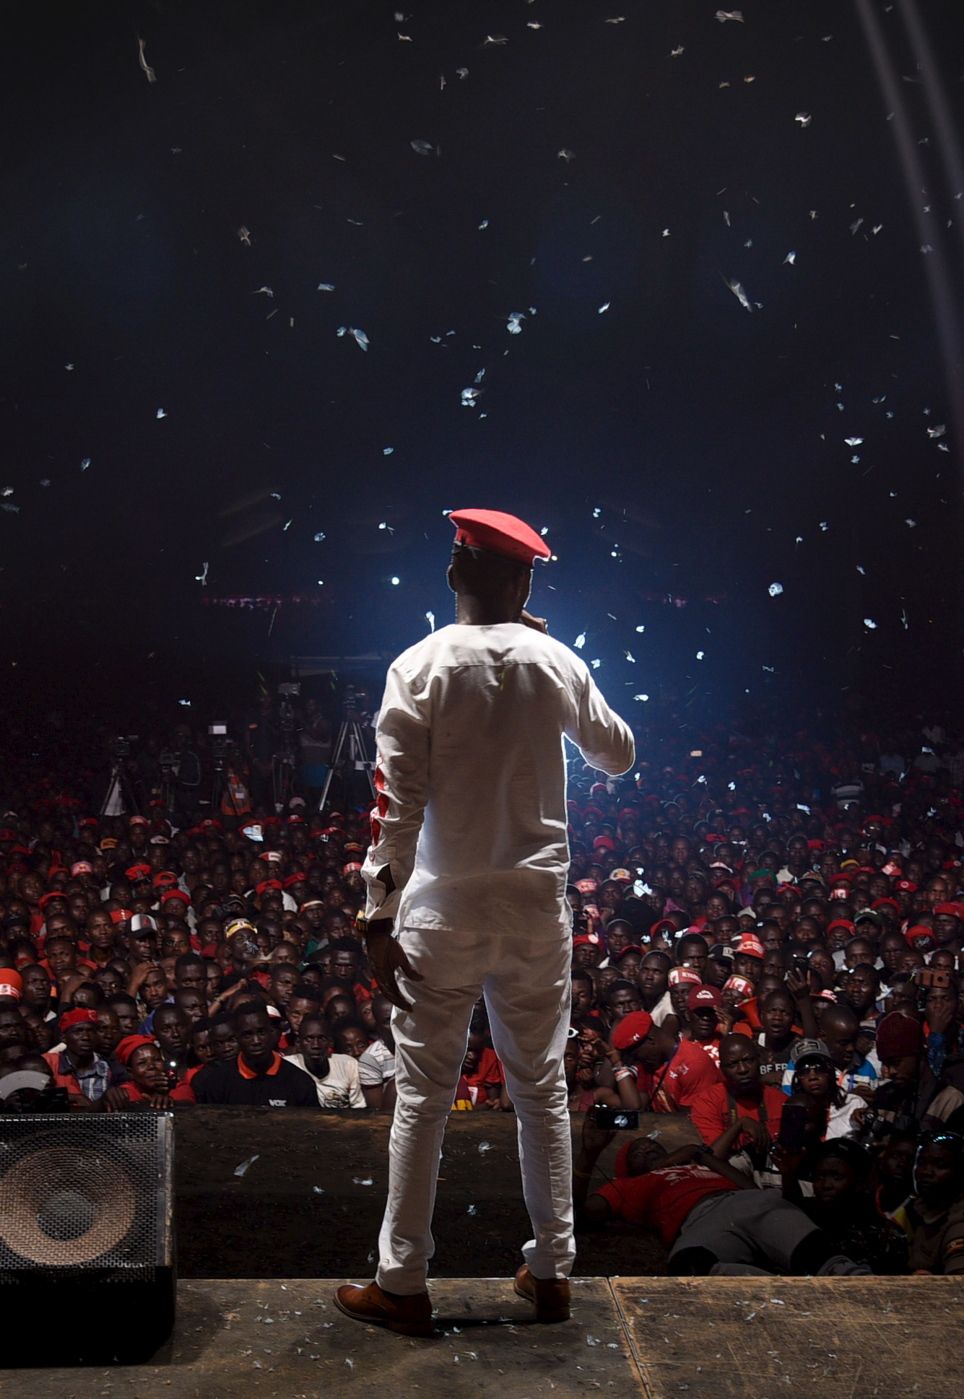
(675, 446)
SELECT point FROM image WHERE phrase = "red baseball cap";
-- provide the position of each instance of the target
(749, 945)
(701, 996)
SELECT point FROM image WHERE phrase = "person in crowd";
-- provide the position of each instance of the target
(335, 1076)
(934, 1216)
(742, 1112)
(259, 1076)
(709, 1216)
(670, 1072)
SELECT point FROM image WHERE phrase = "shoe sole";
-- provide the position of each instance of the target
(547, 1318)
(401, 1328)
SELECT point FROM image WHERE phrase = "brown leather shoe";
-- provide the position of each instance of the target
(408, 1315)
(550, 1295)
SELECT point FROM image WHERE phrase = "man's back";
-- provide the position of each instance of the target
(471, 734)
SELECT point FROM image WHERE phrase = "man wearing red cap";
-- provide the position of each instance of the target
(469, 859)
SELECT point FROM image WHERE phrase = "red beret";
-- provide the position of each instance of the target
(125, 1047)
(11, 983)
(138, 871)
(170, 894)
(266, 884)
(498, 533)
(842, 923)
(298, 878)
(949, 910)
(80, 1016)
(919, 933)
(631, 1029)
(164, 877)
(49, 897)
(121, 915)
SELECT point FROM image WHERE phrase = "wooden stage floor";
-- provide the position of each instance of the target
(756, 1338)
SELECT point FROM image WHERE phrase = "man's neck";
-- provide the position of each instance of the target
(471, 612)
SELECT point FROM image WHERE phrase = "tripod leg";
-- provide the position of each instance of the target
(336, 758)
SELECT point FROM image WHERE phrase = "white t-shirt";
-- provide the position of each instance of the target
(340, 1088)
(470, 826)
(376, 1065)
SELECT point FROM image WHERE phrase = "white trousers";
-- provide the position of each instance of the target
(527, 988)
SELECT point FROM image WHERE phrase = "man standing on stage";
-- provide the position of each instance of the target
(469, 859)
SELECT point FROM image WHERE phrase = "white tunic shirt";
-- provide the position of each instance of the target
(470, 826)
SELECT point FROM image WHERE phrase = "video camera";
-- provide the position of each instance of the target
(120, 746)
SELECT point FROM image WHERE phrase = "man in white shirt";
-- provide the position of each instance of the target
(469, 860)
(335, 1075)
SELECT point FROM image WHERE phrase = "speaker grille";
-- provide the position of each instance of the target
(79, 1192)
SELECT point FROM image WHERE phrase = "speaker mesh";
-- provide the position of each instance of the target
(83, 1192)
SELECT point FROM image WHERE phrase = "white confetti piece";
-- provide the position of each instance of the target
(470, 398)
(394, 580)
(325, 286)
(775, 589)
(202, 577)
(421, 147)
(264, 291)
(641, 628)
(244, 235)
(387, 451)
(790, 258)
(735, 16)
(484, 1147)
(85, 464)
(700, 655)
(853, 441)
(911, 524)
(362, 1180)
(641, 698)
(938, 431)
(803, 119)
(580, 641)
(603, 308)
(630, 657)
(677, 52)
(146, 68)
(595, 664)
(870, 624)
(566, 154)
(359, 336)
(430, 618)
(514, 323)
(319, 537)
(738, 291)
(245, 1165)
(494, 39)
(161, 413)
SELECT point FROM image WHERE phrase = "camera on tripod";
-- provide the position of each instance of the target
(120, 746)
(218, 734)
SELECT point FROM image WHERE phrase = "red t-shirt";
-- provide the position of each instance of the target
(676, 1084)
(488, 1072)
(663, 1198)
(711, 1112)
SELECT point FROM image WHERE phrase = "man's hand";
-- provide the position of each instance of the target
(756, 1131)
(388, 959)
(594, 1139)
(535, 623)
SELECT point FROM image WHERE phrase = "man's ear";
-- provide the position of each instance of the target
(450, 578)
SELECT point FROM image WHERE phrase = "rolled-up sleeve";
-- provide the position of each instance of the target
(605, 741)
(401, 787)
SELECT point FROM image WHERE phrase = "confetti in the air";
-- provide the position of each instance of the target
(470, 397)
(604, 307)
(738, 291)
(803, 119)
(146, 68)
(775, 589)
(736, 16)
(161, 413)
(514, 323)
(870, 624)
(430, 618)
(424, 148)
(641, 698)
(325, 286)
(85, 464)
(853, 441)
(359, 336)
(395, 580)
(580, 641)
(202, 577)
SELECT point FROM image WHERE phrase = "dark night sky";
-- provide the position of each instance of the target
(707, 438)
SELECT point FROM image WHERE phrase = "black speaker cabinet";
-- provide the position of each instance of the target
(87, 1267)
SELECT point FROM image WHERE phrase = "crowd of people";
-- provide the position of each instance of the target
(767, 938)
